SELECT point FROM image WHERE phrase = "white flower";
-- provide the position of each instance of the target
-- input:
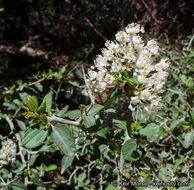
(92, 74)
(145, 94)
(129, 51)
(131, 107)
(141, 78)
(152, 47)
(8, 153)
(135, 100)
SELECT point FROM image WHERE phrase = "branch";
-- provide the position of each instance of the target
(190, 107)
(20, 148)
(64, 121)
(98, 32)
(190, 43)
(3, 184)
(9, 121)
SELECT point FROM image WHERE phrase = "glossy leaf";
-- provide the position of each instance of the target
(32, 103)
(43, 118)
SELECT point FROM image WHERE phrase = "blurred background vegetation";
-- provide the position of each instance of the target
(42, 46)
(60, 29)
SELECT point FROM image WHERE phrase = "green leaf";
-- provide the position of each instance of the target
(89, 121)
(51, 167)
(39, 87)
(10, 106)
(104, 149)
(176, 122)
(42, 108)
(188, 139)
(152, 132)
(19, 167)
(36, 179)
(191, 55)
(62, 112)
(183, 78)
(64, 139)
(178, 162)
(110, 187)
(42, 188)
(17, 185)
(95, 109)
(75, 114)
(21, 125)
(66, 162)
(31, 115)
(103, 133)
(132, 81)
(32, 103)
(191, 115)
(48, 100)
(43, 118)
(34, 137)
(25, 107)
(129, 150)
(33, 159)
(120, 124)
(46, 148)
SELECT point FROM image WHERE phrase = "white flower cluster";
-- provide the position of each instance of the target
(8, 153)
(142, 61)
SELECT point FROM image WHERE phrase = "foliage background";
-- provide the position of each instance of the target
(63, 35)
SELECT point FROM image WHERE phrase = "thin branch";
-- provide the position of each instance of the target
(3, 184)
(38, 81)
(190, 107)
(9, 121)
(97, 31)
(16, 113)
(76, 169)
(20, 147)
(64, 121)
(190, 42)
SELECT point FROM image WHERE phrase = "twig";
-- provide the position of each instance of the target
(9, 121)
(16, 113)
(47, 182)
(76, 169)
(98, 32)
(190, 42)
(89, 168)
(190, 107)
(167, 138)
(101, 179)
(58, 90)
(20, 147)
(3, 184)
(38, 81)
(87, 86)
(64, 121)
(21, 154)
